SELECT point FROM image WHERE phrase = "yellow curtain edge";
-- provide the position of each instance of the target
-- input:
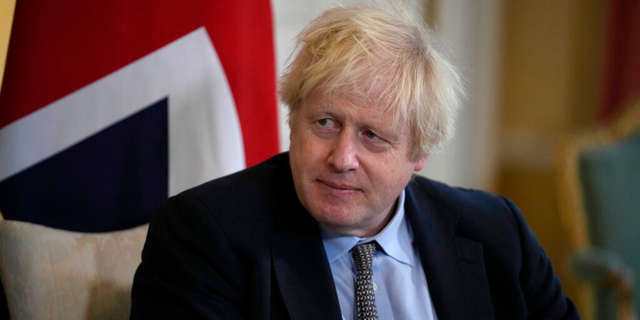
(7, 9)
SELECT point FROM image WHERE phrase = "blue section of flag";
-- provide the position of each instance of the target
(112, 180)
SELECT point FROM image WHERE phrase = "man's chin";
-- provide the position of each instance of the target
(341, 224)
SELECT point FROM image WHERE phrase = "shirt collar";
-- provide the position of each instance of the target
(395, 239)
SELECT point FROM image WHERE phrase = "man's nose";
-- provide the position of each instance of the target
(344, 155)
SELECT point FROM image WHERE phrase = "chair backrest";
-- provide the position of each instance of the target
(599, 183)
(55, 274)
(610, 178)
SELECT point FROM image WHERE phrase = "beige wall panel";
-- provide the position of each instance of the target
(538, 64)
(550, 78)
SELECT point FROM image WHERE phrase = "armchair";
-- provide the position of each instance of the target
(56, 274)
(599, 189)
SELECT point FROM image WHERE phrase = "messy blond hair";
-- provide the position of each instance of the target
(383, 52)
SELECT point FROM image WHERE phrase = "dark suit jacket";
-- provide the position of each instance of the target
(243, 247)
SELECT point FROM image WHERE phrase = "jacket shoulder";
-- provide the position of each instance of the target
(258, 179)
(468, 203)
(241, 204)
(475, 215)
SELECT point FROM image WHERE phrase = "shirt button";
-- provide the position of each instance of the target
(375, 286)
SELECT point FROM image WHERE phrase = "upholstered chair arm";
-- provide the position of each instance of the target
(604, 268)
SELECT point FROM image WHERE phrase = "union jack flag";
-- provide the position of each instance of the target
(108, 107)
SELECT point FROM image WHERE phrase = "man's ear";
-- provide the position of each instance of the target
(421, 162)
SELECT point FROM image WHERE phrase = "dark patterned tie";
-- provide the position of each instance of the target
(365, 296)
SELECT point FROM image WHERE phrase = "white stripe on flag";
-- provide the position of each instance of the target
(205, 140)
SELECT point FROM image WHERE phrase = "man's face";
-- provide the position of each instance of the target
(349, 163)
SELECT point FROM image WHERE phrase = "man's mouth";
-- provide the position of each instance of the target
(338, 186)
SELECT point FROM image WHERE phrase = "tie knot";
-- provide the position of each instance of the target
(363, 255)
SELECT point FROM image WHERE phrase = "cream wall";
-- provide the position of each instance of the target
(471, 30)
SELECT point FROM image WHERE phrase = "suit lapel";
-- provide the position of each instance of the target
(300, 263)
(304, 277)
(454, 266)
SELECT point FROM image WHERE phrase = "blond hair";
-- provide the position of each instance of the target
(382, 52)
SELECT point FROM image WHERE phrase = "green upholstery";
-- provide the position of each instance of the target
(610, 177)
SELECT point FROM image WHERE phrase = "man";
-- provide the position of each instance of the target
(339, 227)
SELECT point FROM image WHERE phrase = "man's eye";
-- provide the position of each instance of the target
(325, 122)
(369, 134)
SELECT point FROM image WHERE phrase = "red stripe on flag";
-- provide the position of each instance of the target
(57, 47)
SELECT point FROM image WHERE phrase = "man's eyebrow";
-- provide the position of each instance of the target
(323, 111)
